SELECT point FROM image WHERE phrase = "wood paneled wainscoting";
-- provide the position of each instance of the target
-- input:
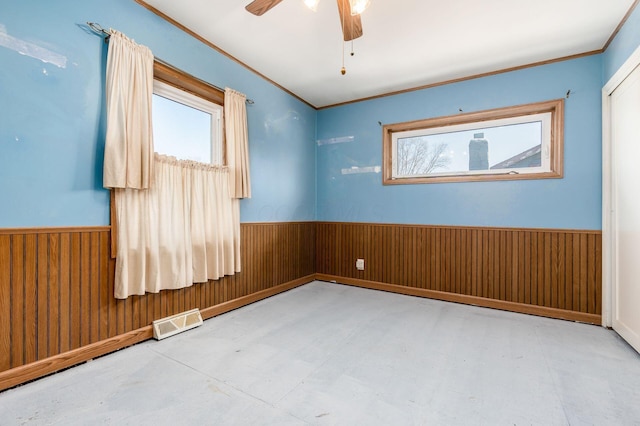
(56, 293)
(555, 273)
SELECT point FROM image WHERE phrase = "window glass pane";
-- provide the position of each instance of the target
(495, 148)
(181, 131)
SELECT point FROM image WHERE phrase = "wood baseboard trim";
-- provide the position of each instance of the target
(255, 297)
(38, 369)
(35, 370)
(467, 300)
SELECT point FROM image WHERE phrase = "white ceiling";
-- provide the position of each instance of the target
(406, 43)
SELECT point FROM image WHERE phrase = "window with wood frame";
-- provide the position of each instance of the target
(519, 142)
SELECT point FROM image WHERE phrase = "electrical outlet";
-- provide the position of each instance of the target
(360, 264)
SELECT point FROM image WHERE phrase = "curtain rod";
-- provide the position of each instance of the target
(97, 28)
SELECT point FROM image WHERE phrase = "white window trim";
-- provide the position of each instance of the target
(173, 93)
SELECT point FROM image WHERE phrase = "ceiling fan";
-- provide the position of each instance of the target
(351, 23)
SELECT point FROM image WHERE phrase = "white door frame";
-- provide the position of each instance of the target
(608, 236)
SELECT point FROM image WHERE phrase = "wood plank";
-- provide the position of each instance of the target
(456, 261)
(559, 271)
(408, 256)
(395, 250)
(189, 295)
(513, 289)
(584, 268)
(437, 284)
(469, 261)
(568, 271)
(418, 257)
(17, 300)
(259, 239)
(367, 253)
(505, 265)
(104, 293)
(30, 299)
(598, 275)
(519, 262)
(427, 258)
(534, 260)
(76, 291)
(384, 241)
(54, 294)
(486, 263)
(591, 274)
(449, 260)
(458, 264)
(202, 295)
(446, 260)
(5, 302)
(113, 305)
(94, 285)
(65, 292)
(181, 301)
(475, 270)
(135, 311)
(42, 296)
(553, 269)
(85, 289)
(419, 249)
(546, 265)
(129, 308)
(342, 250)
(576, 272)
(526, 260)
(542, 277)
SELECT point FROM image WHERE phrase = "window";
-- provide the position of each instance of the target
(182, 93)
(187, 116)
(186, 126)
(521, 142)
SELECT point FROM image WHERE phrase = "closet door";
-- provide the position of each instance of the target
(625, 166)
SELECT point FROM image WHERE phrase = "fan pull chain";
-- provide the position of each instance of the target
(343, 71)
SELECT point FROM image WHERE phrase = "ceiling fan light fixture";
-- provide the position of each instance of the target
(312, 4)
(358, 6)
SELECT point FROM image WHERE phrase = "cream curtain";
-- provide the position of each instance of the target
(128, 156)
(235, 122)
(184, 229)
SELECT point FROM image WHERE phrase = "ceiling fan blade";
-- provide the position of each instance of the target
(259, 7)
(351, 24)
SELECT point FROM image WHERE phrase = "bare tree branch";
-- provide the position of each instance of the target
(418, 157)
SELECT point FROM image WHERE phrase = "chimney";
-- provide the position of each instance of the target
(478, 152)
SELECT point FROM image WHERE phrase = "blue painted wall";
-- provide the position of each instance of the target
(52, 131)
(52, 121)
(571, 202)
(623, 45)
